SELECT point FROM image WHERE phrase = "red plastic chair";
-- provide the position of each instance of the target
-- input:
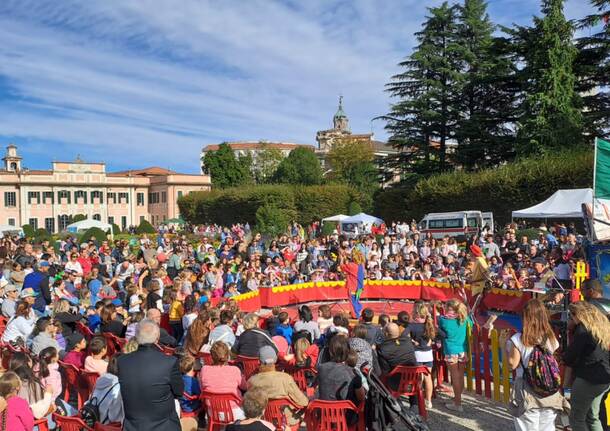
(329, 416)
(274, 412)
(7, 352)
(84, 329)
(87, 383)
(250, 365)
(42, 424)
(169, 351)
(114, 344)
(206, 358)
(300, 377)
(71, 373)
(70, 423)
(409, 384)
(107, 427)
(219, 410)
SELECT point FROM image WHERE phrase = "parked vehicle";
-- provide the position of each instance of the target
(488, 222)
(458, 224)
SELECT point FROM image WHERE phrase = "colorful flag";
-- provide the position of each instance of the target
(599, 212)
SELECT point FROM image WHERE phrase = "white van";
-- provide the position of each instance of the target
(488, 222)
(458, 224)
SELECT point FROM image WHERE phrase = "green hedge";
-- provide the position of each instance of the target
(145, 227)
(240, 204)
(96, 232)
(500, 190)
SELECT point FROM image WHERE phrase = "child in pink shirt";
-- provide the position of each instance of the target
(19, 416)
(48, 370)
(76, 350)
(95, 363)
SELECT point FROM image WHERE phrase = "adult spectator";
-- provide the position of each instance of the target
(9, 304)
(374, 336)
(532, 413)
(38, 281)
(337, 380)
(66, 315)
(252, 339)
(75, 267)
(254, 405)
(220, 377)
(588, 356)
(107, 392)
(395, 350)
(277, 384)
(307, 323)
(122, 272)
(111, 323)
(150, 381)
(20, 326)
(592, 290)
(490, 248)
(223, 332)
(25, 256)
(361, 346)
(43, 335)
(164, 338)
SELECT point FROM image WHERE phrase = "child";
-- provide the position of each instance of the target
(19, 416)
(130, 332)
(273, 321)
(94, 320)
(305, 354)
(189, 367)
(176, 311)
(48, 370)
(325, 318)
(453, 328)
(95, 362)
(76, 350)
(134, 299)
(423, 334)
(284, 329)
(384, 319)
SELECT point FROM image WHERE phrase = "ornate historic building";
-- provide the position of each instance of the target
(47, 198)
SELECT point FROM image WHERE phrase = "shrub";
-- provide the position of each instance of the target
(116, 229)
(272, 220)
(78, 217)
(41, 234)
(145, 227)
(329, 227)
(28, 231)
(354, 208)
(96, 232)
(500, 190)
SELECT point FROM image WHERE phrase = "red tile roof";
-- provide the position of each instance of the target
(253, 145)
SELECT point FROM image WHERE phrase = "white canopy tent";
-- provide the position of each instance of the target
(338, 217)
(561, 204)
(359, 224)
(362, 218)
(83, 225)
(10, 229)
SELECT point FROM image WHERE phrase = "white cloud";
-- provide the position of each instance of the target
(127, 80)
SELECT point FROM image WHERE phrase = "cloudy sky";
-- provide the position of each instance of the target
(138, 83)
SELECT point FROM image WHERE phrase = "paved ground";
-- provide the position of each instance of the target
(479, 414)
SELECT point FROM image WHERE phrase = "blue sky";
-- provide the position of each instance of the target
(138, 83)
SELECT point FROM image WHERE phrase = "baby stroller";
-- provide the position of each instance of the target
(384, 412)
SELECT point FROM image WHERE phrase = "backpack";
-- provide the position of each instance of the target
(90, 411)
(542, 372)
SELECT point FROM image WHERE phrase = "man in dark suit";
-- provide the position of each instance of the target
(150, 381)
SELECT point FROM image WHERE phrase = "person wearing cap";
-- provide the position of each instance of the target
(76, 345)
(277, 384)
(39, 282)
(9, 305)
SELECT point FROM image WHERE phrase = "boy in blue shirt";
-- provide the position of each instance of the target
(188, 367)
(284, 329)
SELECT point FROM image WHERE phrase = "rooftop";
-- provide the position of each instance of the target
(253, 145)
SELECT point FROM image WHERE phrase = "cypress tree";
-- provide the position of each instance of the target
(552, 107)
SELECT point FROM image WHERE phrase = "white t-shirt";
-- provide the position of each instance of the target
(527, 351)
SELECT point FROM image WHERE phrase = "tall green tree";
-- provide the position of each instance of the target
(483, 129)
(552, 115)
(300, 167)
(267, 162)
(426, 92)
(592, 69)
(225, 169)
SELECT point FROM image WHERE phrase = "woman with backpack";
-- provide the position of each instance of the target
(588, 356)
(535, 401)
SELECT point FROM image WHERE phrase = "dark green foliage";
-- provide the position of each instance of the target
(116, 229)
(329, 227)
(78, 217)
(552, 115)
(28, 231)
(239, 205)
(96, 232)
(145, 227)
(500, 190)
(225, 169)
(354, 208)
(426, 92)
(41, 235)
(300, 167)
(272, 220)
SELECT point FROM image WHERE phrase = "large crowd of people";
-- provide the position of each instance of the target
(137, 314)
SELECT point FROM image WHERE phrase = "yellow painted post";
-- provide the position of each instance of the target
(505, 377)
(580, 275)
(495, 363)
(469, 364)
